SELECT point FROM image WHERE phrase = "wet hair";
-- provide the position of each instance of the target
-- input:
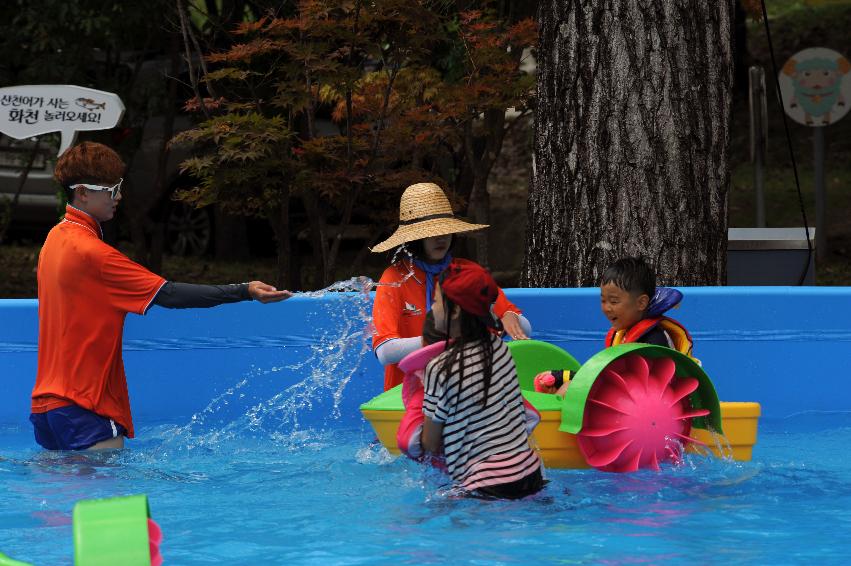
(88, 162)
(631, 274)
(472, 329)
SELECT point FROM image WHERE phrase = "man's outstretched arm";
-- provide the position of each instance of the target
(175, 295)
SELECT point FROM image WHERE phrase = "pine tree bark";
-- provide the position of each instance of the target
(631, 140)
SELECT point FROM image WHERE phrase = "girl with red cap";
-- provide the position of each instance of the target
(474, 411)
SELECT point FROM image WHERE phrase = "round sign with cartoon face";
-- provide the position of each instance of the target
(816, 86)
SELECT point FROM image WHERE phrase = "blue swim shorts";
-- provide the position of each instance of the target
(73, 428)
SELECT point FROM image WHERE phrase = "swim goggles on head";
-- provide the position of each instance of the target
(114, 190)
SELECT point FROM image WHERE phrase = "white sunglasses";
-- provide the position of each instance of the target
(114, 190)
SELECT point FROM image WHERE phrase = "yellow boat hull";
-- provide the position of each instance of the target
(560, 449)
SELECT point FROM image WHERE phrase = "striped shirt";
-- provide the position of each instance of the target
(483, 444)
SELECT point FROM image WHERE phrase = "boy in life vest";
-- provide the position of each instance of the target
(636, 310)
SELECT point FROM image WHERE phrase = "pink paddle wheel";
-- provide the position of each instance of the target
(637, 415)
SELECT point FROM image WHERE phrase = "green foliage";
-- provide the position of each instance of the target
(346, 101)
(104, 44)
(61, 41)
(250, 167)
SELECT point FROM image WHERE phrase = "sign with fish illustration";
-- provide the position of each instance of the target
(816, 86)
(33, 110)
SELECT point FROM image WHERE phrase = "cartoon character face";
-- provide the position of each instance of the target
(816, 84)
(817, 78)
(816, 72)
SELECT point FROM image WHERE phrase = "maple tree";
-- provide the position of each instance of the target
(490, 49)
(412, 92)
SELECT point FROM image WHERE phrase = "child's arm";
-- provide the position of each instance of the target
(516, 325)
(393, 350)
(432, 436)
(434, 409)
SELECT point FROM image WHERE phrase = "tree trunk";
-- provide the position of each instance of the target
(316, 217)
(631, 140)
(147, 229)
(279, 219)
(740, 52)
(479, 212)
(231, 235)
(482, 162)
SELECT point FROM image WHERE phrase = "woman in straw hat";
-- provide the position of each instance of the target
(406, 289)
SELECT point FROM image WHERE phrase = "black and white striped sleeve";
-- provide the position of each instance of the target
(434, 395)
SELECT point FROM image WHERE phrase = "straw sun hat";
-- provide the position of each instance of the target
(424, 211)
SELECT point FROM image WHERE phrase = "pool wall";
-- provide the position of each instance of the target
(785, 347)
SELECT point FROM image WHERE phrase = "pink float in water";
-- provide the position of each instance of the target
(155, 537)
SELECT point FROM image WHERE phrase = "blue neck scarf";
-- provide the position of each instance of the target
(432, 269)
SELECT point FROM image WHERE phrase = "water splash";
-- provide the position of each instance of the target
(374, 453)
(359, 284)
(719, 448)
(363, 284)
(406, 261)
(321, 377)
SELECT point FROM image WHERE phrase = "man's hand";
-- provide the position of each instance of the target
(511, 324)
(264, 293)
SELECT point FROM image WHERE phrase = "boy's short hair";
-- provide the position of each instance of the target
(633, 275)
(88, 162)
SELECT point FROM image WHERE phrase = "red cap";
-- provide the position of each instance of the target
(471, 287)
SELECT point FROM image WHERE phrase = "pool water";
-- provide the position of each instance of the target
(331, 495)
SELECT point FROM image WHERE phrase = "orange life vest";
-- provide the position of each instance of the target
(679, 335)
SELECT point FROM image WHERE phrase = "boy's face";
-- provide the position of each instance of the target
(623, 309)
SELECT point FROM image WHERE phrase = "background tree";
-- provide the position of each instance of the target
(631, 140)
(113, 46)
(336, 107)
(262, 138)
(482, 81)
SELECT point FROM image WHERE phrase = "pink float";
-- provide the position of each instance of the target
(155, 538)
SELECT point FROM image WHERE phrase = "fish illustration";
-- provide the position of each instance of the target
(90, 104)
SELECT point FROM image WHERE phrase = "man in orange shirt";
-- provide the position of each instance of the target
(404, 295)
(85, 290)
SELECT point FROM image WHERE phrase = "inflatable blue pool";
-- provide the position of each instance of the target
(251, 447)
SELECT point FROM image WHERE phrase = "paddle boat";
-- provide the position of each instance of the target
(629, 407)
